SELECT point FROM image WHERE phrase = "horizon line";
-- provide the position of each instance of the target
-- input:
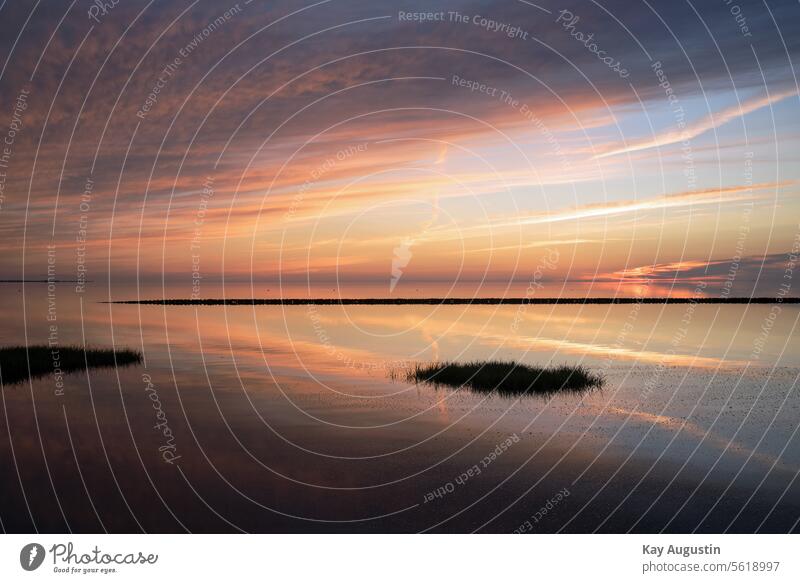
(450, 301)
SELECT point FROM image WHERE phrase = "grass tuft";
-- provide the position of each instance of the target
(19, 363)
(505, 378)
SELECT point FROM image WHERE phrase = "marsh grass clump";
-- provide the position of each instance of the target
(19, 363)
(505, 378)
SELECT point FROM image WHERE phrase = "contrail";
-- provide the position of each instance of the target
(692, 130)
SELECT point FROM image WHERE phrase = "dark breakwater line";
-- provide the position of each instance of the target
(43, 281)
(445, 301)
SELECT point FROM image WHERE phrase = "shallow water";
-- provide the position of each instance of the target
(272, 418)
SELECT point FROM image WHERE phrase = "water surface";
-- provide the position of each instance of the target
(283, 418)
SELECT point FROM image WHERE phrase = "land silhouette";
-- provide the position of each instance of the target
(20, 363)
(504, 378)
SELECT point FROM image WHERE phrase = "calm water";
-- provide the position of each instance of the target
(284, 419)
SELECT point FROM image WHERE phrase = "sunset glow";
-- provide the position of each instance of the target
(228, 158)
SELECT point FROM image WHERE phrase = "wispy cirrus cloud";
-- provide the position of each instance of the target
(709, 196)
(694, 129)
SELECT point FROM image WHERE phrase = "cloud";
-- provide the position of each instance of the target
(325, 79)
(692, 130)
(730, 273)
(685, 199)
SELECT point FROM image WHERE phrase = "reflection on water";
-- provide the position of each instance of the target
(283, 418)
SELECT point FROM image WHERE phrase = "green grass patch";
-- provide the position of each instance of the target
(19, 363)
(505, 378)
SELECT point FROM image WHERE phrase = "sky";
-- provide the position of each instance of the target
(609, 144)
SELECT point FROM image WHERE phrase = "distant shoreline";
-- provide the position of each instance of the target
(446, 301)
(42, 281)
